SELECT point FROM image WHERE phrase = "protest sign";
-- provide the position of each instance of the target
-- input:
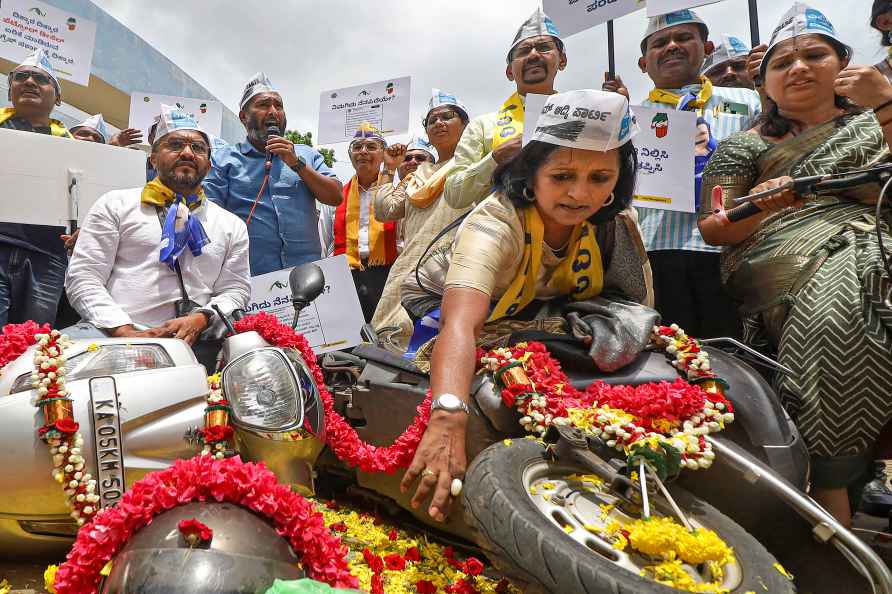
(665, 148)
(384, 104)
(658, 7)
(331, 323)
(145, 106)
(573, 16)
(48, 180)
(532, 106)
(28, 25)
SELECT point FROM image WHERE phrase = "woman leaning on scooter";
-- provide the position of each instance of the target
(558, 229)
(808, 270)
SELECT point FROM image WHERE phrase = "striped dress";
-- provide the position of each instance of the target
(814, 289)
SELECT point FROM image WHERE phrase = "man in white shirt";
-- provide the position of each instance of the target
(124, 275)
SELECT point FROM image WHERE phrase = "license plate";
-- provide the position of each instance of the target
(107, 440)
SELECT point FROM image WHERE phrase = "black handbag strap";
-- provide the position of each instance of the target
(176, 264)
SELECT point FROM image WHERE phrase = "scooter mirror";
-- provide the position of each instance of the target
(307, 282)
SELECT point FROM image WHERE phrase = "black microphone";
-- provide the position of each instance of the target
(744, 211)
(271, 130)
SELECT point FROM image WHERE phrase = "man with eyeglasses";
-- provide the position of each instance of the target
(32, 257)
(277, 201)
(153, 261)
(687, 284)
(536, 56)
(410, 157)
(370, 245)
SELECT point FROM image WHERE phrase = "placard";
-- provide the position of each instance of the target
(573, 16)
(384, 104)
(665, 148)
(658, 7)
(532, 106)
(37, 170)
(145, 106)
(331, 323)
(68, 38)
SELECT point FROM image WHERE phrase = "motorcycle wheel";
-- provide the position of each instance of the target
(526, 536)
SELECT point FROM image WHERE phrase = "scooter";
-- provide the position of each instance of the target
(159, 390)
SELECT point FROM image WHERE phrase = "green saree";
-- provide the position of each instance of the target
(812, 287)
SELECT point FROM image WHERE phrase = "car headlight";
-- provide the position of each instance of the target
(110, 359)
(263, 392)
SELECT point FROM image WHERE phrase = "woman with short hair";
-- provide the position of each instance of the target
(557, 231)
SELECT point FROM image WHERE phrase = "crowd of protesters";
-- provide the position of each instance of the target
(465, 234)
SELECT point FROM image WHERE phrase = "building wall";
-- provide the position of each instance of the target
(123, 63)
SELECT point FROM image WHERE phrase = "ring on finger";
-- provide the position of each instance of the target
(428, 472)
(456, 487)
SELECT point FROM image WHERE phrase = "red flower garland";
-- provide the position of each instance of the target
(340, 436)
(203, 478)
(16, 339)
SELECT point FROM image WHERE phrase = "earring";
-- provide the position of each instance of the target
(609, 201)
(527, 195)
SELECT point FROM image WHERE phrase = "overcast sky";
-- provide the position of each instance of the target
(307, 47)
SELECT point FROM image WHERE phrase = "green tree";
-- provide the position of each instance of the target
(307, 139)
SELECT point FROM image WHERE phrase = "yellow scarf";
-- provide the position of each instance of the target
(382, 236)
(510, 122)
(580, 275)
(57, 128)
(157, 194)
(667, 98)
(424, 193)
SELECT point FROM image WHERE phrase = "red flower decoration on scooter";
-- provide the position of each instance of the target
(195, 532)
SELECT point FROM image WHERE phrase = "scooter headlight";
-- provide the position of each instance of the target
(263, 391)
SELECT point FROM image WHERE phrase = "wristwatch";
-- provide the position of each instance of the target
(300, 164)
(449, 403)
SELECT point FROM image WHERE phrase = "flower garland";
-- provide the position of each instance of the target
(665, 423)
(205, 478)
(340, 436)
(59, 430)
(389, 559)
(16, 339)
(217, 432)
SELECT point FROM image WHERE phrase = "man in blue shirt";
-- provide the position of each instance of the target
(280, 210)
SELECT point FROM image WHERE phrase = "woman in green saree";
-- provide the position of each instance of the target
(808, 271)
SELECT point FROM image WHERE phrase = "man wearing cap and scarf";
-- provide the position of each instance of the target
(687, 284)
(32, 257)
(534, 59)
(406, 158)
(152, 261)
(94, 129)
(417, 202)
(371, 245)
(279, 203)
(726, 65)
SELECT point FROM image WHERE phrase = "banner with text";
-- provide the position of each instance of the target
(68, 39)
(573, 16)
(658, 7)
(665, 148)
(331, 323)
(145, 106)
(384, 104)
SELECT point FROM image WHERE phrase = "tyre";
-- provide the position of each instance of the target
(530, 539)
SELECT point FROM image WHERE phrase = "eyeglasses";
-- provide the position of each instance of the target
(175, 145)
(419, 158)
(443, 116)
(371, 147)
(23, 75)
(522, 51)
